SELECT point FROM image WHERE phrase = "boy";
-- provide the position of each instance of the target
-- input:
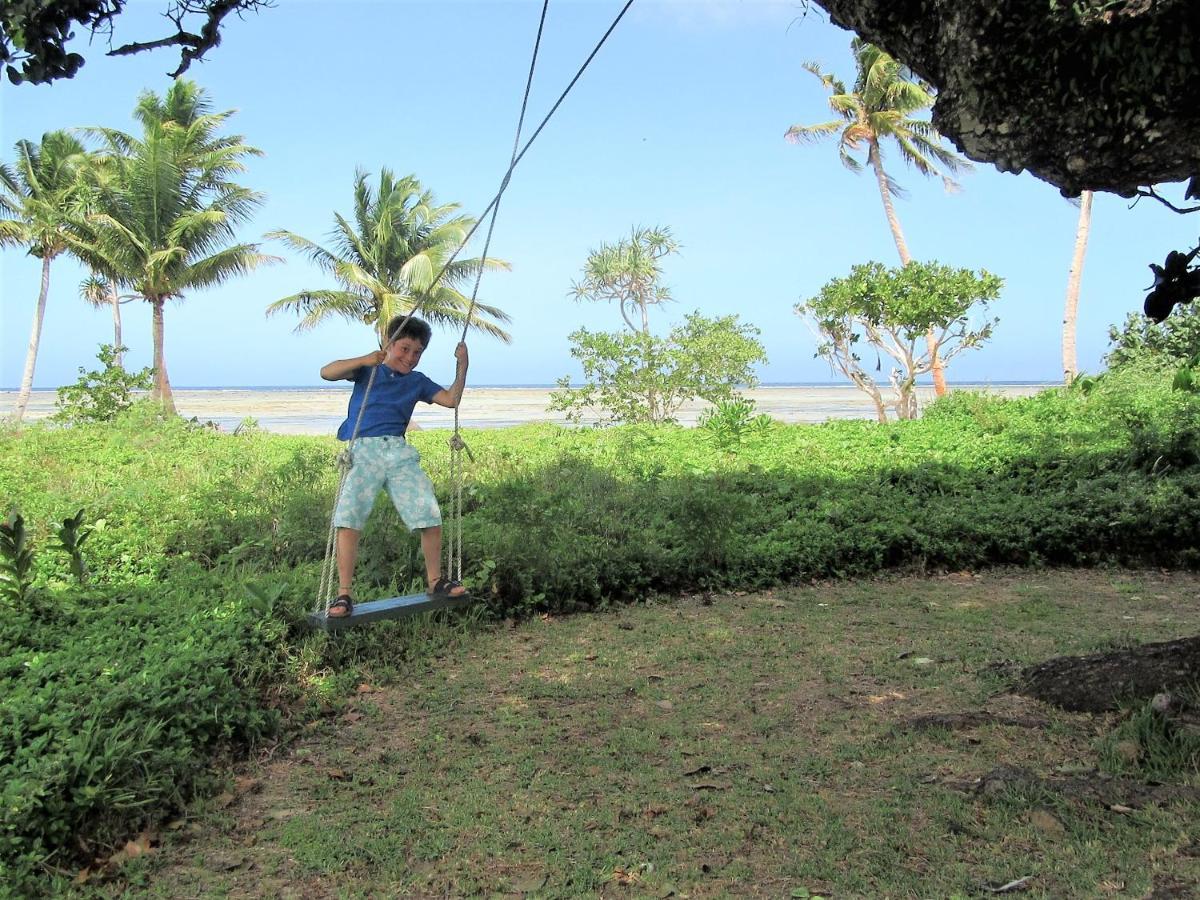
(382, 457)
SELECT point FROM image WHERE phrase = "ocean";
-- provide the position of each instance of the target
(319, 410)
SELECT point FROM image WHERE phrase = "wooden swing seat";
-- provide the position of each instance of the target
(390, 608)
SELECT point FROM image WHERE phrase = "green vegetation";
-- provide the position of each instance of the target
(635, 376)
(100, 395)
(186, 640)
(1166, 344)
(892, 309)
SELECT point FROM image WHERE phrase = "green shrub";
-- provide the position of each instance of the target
(100, 396)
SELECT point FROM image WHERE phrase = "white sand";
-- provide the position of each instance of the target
(321, 410)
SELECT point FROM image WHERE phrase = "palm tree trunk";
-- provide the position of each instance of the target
(115, 298)
(876, 162)
(162, 384)
(936, 367)
(1074, 277)
(35, 339)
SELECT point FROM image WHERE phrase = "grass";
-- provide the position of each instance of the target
(750, 745)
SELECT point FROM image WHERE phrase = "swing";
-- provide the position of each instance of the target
(413, 604)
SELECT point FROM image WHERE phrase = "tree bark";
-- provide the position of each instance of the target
(162, 384)
(35, 340)
(1074, 277)
(935, 364)
(1101, 682)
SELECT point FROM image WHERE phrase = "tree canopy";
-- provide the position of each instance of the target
(1087, 95)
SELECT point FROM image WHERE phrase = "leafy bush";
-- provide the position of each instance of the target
(100, 396)
(1166, 344)
(634, 376)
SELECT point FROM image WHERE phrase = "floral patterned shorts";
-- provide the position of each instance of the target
(392, 463)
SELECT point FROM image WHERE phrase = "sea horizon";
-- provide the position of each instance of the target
(331, 385)
(320, 409)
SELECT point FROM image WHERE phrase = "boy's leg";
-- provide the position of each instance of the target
(431, 546)
(413, 495)
(354, 503)
(347, 556)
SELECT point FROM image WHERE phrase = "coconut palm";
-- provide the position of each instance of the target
(167, 212)
(40, 196)
(385, 262)
(1074, 277)
(882, 107)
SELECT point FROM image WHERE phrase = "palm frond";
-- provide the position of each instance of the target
(807, 134)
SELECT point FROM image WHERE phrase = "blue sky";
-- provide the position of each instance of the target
(678, 122)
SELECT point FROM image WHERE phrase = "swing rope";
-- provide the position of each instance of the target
(454, 529)
(454, 535)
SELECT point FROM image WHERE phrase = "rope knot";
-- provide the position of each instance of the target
(457, 444)
(345, 459)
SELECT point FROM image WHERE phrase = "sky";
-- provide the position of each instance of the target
(678, 122)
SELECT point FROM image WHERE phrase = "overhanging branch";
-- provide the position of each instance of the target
(194, 45)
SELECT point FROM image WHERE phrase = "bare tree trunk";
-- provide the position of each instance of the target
(1074, 277)
(162, 384)
(936, 367)
(114, 297)
(35, 340)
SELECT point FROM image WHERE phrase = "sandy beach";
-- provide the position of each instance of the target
(320, 410)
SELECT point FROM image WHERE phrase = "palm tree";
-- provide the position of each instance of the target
(39, 198)
(882, 106)
(1074, 277)
(97, 290)
(167, 212)
(386, 260)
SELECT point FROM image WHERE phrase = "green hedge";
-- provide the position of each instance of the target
(115, 696)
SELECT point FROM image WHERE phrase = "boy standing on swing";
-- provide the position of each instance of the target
(383, 458)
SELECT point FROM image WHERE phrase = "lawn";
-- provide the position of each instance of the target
(761, 744)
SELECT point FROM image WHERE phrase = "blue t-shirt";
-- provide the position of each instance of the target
(390, 406)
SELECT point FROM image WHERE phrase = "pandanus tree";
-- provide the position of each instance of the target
(385, 258)
(884, 107)
(40, 197)
(167, 212)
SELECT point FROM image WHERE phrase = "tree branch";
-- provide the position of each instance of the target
(1154, 195)
(194, 45)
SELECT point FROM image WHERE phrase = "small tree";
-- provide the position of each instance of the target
(636, 377)
(633, 375)
(892, 309)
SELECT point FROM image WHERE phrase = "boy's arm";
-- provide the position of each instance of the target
(450, 397)
(344, 368)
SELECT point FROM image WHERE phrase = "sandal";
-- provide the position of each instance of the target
(343, 605)
(445, 588)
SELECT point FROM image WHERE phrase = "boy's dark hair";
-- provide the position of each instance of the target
(413, 328)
